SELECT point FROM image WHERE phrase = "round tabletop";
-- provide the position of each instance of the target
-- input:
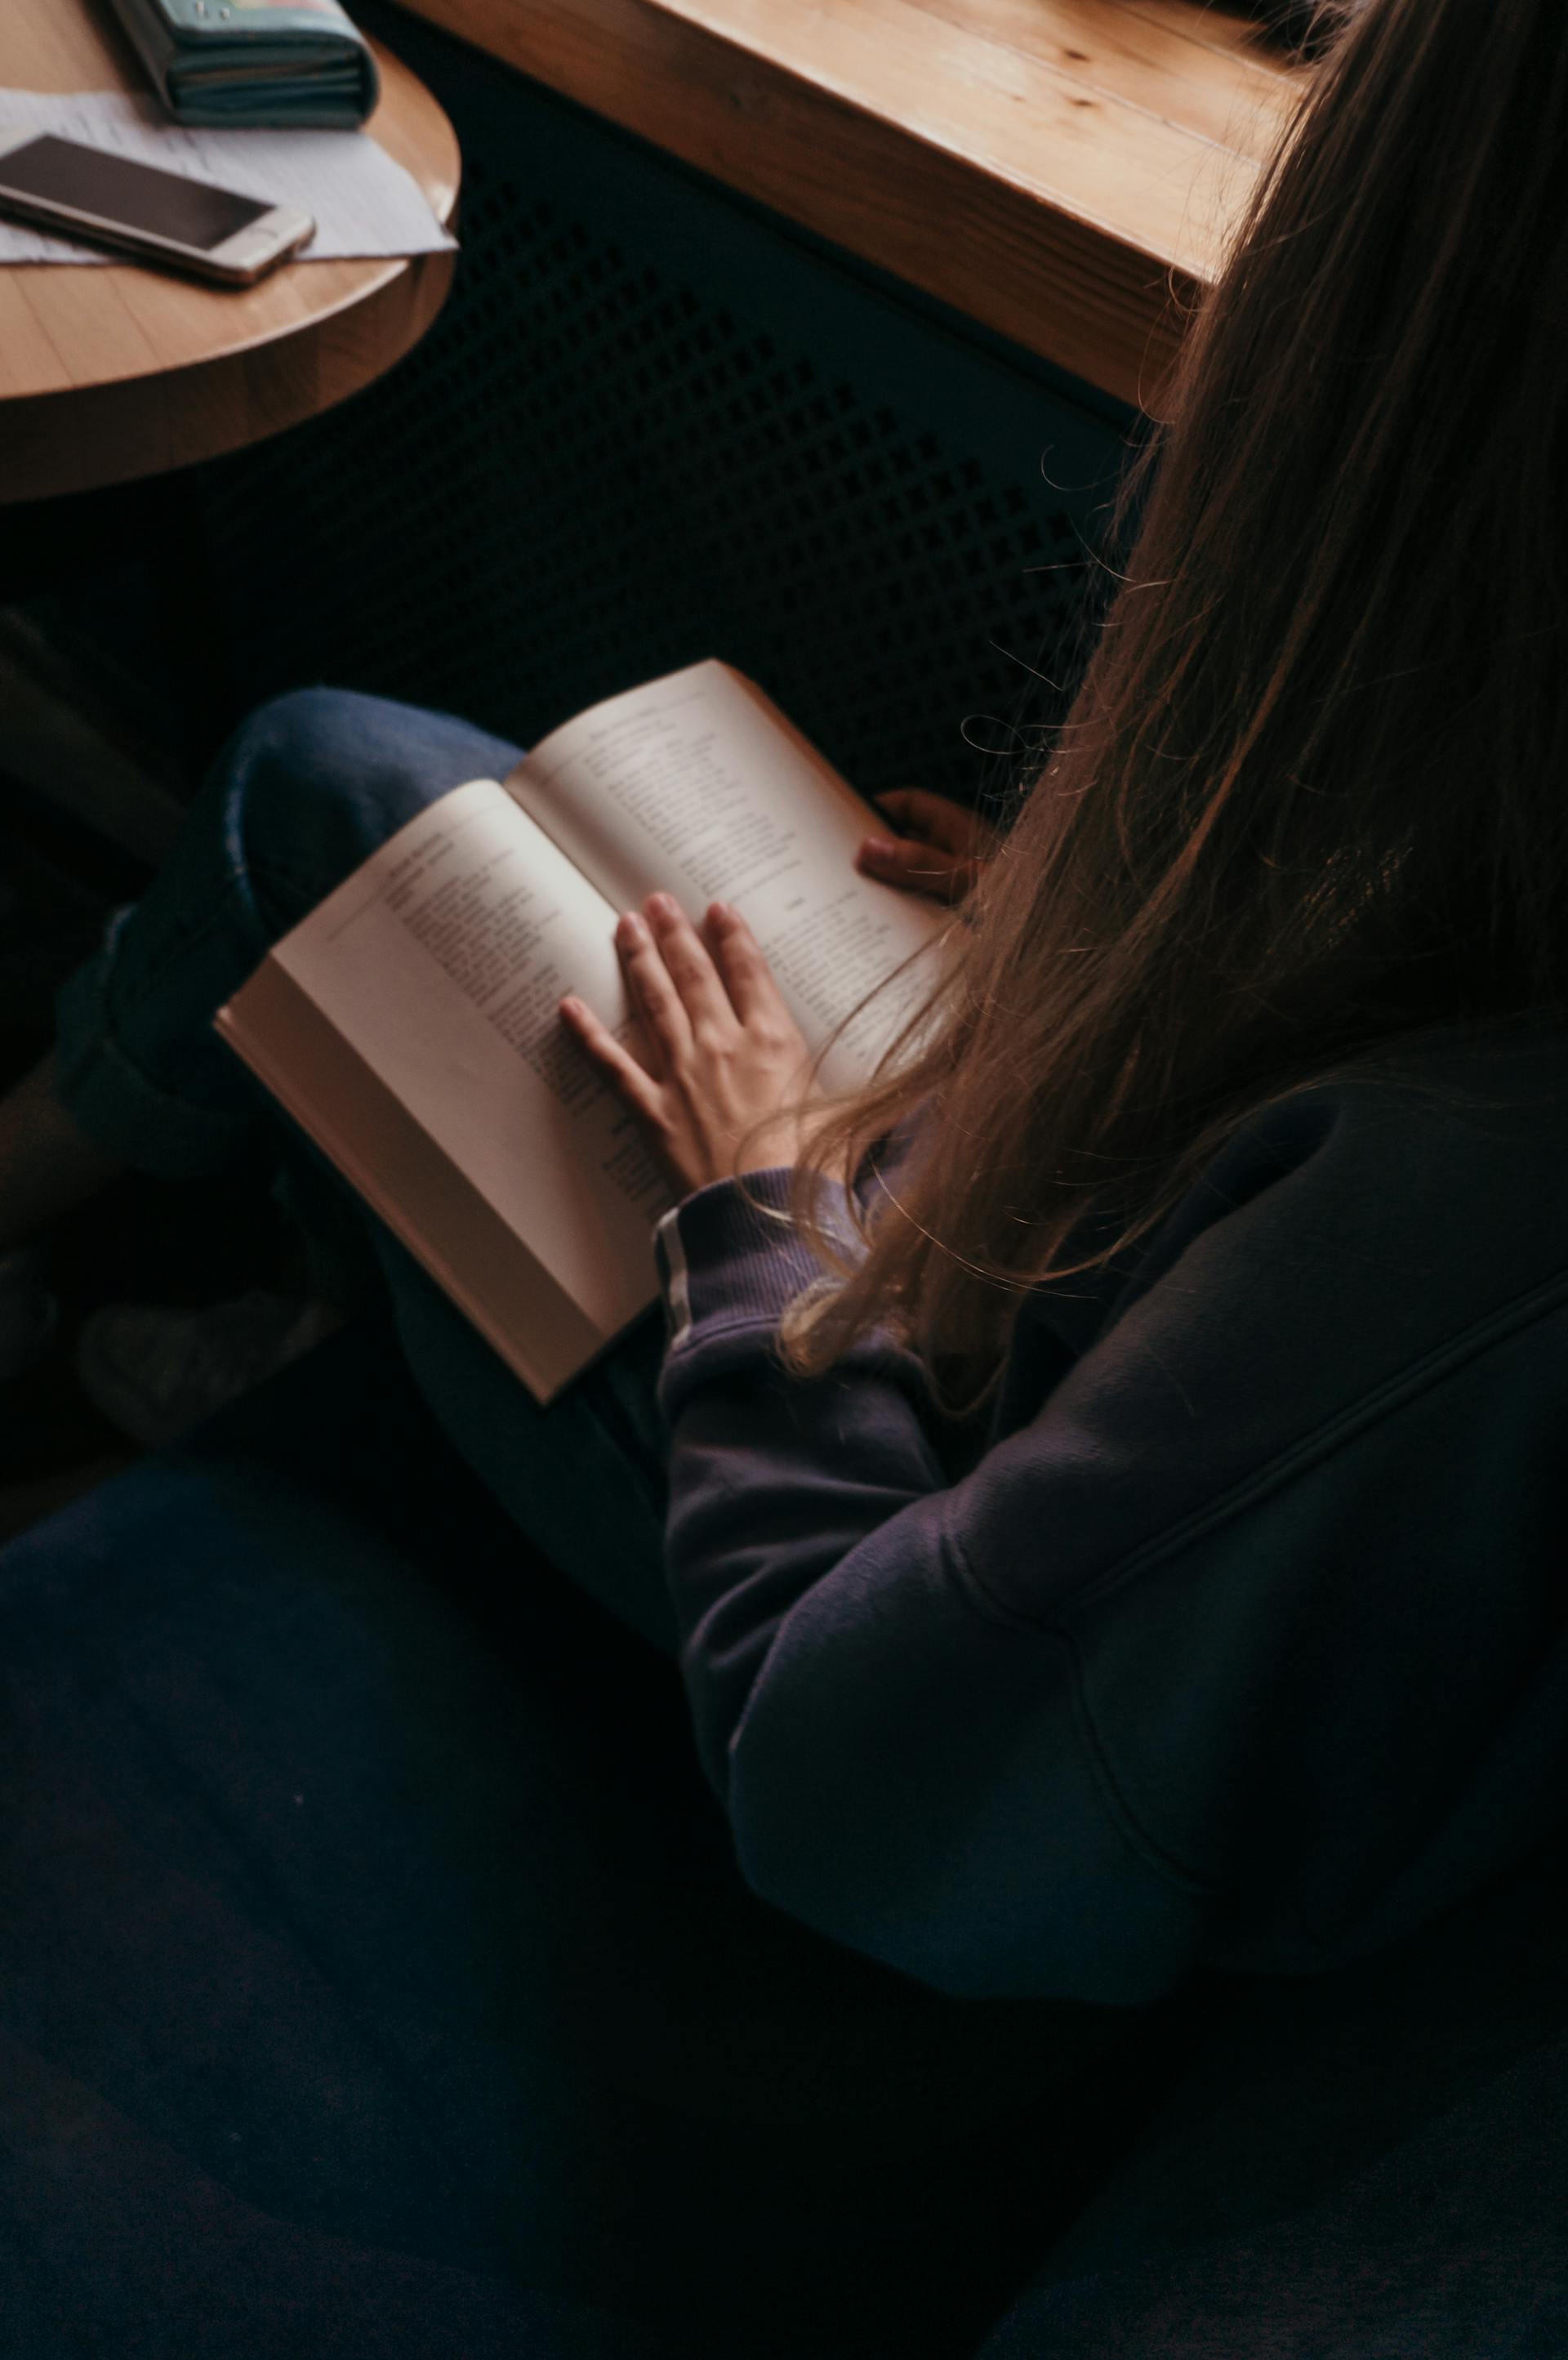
(113, 371)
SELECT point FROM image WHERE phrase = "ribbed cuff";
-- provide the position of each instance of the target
(730, 1255)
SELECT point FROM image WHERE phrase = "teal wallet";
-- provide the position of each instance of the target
(294, 63)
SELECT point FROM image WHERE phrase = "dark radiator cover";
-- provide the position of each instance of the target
(655, 423)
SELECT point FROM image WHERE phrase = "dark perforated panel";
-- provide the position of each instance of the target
(645, 432)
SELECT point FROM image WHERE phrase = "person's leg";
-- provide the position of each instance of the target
(584, 1479)
(307, 790)
(847, 2112)
(308, 787)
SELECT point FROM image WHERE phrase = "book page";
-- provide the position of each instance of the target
(442, 961)
(425, 1200)
(699, 786)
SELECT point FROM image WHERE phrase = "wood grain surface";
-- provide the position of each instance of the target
(114, 372)
(1065, 171)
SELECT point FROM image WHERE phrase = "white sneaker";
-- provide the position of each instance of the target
(28, 1312)
(156, 1373)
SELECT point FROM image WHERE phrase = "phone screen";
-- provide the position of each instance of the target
(63, 172)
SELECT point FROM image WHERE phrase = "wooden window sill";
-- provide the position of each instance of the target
(1065, 171)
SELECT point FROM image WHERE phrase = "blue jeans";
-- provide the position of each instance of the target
(306, 790)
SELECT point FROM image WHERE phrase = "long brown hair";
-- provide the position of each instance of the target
(1312, 794)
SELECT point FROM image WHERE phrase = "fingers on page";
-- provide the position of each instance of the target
(686, 958)
(916, 868)
(917, 811)
(649, 981)
(747, 974)
(628, 1077)
(920, 863)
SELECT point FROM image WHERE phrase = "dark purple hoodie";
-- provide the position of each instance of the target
(1238, 1641)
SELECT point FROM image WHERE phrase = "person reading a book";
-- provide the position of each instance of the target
(1100, 1476)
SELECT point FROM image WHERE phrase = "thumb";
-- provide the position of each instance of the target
(916, 867)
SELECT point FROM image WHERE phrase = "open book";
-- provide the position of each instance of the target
(410, 1024)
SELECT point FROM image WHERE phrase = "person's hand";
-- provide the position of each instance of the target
(722, 1051)
(943, 847)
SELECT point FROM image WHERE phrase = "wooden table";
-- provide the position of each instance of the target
(115, 372)
(1067, 172)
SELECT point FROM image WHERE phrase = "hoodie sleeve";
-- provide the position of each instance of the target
(900, 1764)
(1246, 1649)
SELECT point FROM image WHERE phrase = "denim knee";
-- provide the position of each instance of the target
(307, 788)
(319, 777)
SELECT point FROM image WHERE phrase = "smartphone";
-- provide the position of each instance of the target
(86, 192)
